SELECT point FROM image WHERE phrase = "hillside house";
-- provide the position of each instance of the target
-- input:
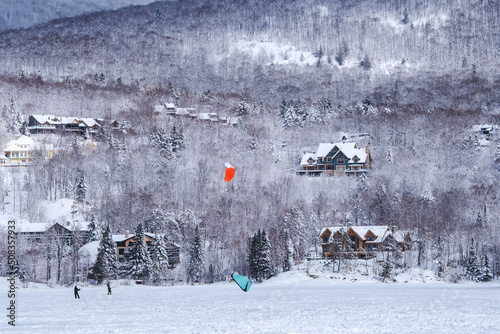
(124, 244)
(22, 150)
(43, 231)
(364, 240)
(342, 158)
(55, 124)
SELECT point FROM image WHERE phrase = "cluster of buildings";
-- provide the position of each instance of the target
(170, 109)
(66, 232)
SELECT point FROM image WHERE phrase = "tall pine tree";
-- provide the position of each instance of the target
(105, 266)
(472, 270)
(195, 268)
(259, 257)
(159, 259)
(139, 256)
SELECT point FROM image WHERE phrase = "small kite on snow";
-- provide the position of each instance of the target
(243, 282)
(229, 172)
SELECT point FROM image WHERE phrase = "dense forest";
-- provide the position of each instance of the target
(415, 75)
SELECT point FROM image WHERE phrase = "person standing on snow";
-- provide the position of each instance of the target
(109, 289)
(76, 292)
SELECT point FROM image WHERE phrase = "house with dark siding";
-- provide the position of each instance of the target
(341, 158)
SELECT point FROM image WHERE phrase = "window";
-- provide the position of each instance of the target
(121, 251)
(329, 159)
(341, 161)
(325, 240)
(369, 238)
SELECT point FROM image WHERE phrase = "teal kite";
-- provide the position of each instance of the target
(243, 282)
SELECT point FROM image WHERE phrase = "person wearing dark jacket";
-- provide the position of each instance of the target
(109, 289)
(76, 292)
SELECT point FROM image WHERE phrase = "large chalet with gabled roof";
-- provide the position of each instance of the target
(361, 241)
(341, 158)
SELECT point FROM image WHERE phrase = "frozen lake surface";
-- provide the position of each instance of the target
(290, 303)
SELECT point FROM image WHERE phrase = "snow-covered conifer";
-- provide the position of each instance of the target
(81, 189)
(486, 274)
(95, 229)
(473, 270)
(196, 259)
(159, 259)
(295, 223)
(105, 266)
(139, 255)
(439, 257)
(265, 257)
(287, 251)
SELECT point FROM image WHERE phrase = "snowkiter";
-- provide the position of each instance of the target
(76, 292)
(109, 289)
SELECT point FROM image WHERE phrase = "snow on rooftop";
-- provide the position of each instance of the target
(349, 149)
(91, 249)
(306, 157)
(63, 209)
(381, 232)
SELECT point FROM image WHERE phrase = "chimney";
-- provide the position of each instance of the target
(126, 233)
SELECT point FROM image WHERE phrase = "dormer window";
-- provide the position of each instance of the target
(310, 161)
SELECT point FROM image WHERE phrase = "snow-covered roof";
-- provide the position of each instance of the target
(23, 143)
(54, 120)
(182, 111)
(349, 149)
(204, 116)
(169, 105)
(306, 157)
(482, 127)
(91, 248)
(123, 237)
(381, 232)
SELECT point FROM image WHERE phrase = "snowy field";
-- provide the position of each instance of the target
(291, 303)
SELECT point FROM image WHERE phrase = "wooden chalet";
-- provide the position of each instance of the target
(363, 240)
(342, 158)
(124, 244)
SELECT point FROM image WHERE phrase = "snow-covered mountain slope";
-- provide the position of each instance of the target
(15, 14)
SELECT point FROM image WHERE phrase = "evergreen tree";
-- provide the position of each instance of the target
(105, 266)
(176, 140)
(243, 109)
(265, 257)
(139, 256)
(162, 142)
(472, 270)
(14, 116)
(95, 229)
(81, 189)
(439, 257)
(386, 271)
(287, 249)
(486, 275)
(253, 262)
(159, 259)
(295, 223)
(260, 257)
(196, 259)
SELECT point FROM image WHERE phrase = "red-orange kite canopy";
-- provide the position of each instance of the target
(229, 172)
